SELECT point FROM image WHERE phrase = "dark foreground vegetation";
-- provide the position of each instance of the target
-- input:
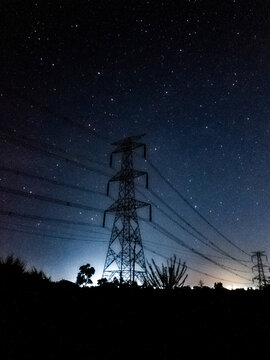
(43, 319)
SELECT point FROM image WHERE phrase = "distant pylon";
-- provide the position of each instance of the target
(125, 256)
(259, 268)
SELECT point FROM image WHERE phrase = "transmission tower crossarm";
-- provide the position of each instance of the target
(118, 207)
(260, 254)
(122, 147)
(127, 144)
(122, 175)
(126, 139)
(261, 265)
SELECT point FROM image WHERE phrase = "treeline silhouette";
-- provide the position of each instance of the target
(55, 320)
(14, 275)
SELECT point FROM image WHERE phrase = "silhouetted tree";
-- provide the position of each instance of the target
(169, 276)
(218, 285)
(201, 284)
(37, 276)
(13, 272)
(84, 275)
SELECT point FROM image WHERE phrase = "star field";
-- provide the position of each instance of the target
(78, 75)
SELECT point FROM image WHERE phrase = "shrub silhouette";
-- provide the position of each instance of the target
(13, 273)
(218, 286)
(84, 275)
(115, 283)
(169, 276)
(103, 282)
(36, 277)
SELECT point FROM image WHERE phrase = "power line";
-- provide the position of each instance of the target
(54, 231)
(51, 181)
(48, 199)
(195, 210)
(183, 244)
(211, 245)
(155, 226)
(183, 252)
(17, 192)
(98, 171)
(35, 233)
(44, 108)
(55, 148)
(225, 266)
(54, 220)
(25, 142)
(195, 270)
(76, 205)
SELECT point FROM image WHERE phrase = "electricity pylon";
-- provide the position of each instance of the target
(125, 256)
(259, 268)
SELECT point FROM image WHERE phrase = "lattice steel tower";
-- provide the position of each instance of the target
(259, 268)
(125, 256)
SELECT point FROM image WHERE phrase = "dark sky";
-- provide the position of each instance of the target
(78, 75)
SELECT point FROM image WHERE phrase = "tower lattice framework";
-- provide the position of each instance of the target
(125, 256)
(259, 268)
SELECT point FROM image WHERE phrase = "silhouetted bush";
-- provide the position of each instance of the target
(170, 276)
(102, 282)
(13, 274)
(218, 286)
(12, 270)
(115, 283)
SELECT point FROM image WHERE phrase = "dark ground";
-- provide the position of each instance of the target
(56, 320)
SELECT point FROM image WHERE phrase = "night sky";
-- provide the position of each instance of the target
(192, 75)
